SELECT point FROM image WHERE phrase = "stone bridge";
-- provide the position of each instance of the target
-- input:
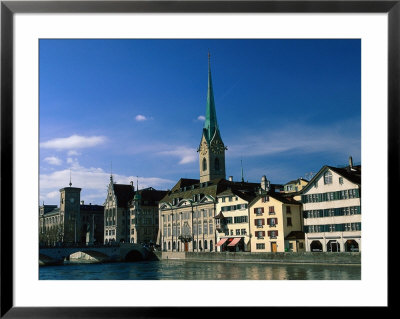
(103, 253)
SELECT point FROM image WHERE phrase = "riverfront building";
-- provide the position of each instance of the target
(116, 212)
(129, 216)
(332, 209)
(144, 225)
(72, 222)
(232, 220)
(275, 223)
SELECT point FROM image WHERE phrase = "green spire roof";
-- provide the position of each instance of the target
(210, 124)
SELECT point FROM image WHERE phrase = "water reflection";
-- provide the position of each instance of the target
(187, 270)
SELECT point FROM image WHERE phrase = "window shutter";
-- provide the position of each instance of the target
(269, 233)
(263, 221)
(263, 233)
(276, 233)
(262, 210)
(269, 221)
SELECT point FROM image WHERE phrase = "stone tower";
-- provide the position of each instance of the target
(70, 212)
(211, 149)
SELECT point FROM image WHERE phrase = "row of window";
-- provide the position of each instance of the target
(233, 207)
(332, 228)
(329, 196)
(110, 232)
(343, 211)
(237, 232)
(197, 230)
(271, 234)
(176, 246)
(270, 221)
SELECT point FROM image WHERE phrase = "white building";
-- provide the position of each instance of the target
(332, 210)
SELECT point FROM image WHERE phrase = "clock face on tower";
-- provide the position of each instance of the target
(203, 149)
(217, 147)
(72, 200)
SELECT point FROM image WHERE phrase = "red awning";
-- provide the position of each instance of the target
(221, 242)
(234, 241)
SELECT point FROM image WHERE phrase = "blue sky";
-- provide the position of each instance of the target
(284, 107)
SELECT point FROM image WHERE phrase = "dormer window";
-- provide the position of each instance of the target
(204, 164)
(328, 177)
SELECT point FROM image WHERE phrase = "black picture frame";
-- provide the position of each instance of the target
(9, 8)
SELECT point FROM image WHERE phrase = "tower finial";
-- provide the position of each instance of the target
(137, 183)
(70, 183)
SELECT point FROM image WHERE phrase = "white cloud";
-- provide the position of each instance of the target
(298, 139)
(186, 154)
(53, 160)
(92, 180)
(201, 118)
(141, 118)
(73, 142)
(73, 153)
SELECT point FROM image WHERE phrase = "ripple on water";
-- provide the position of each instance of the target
(181, 270)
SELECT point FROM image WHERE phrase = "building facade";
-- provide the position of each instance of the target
(276, 223)
(72, 222)
(332, 209)
(144, 225)
(117, 212)
(232, 221)
(92, 223)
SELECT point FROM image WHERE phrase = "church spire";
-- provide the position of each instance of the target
(210, 124)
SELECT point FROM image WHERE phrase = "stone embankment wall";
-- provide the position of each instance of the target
(304, 258)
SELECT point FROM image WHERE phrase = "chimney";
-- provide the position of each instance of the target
(133, 187)
(82, 202)
(230, 178)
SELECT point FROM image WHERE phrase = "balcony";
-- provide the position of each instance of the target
(260, 226)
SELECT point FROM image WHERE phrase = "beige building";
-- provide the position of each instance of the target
(332, 209)
(232, 221)
(276, 223)
(117, 212)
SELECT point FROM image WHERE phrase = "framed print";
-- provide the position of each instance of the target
(71, 93)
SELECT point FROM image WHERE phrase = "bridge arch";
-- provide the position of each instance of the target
(134, 255)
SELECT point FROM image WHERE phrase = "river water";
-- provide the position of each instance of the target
(189, 270)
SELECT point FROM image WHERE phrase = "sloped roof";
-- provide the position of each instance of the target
(285, 198)
(296, 181)
(353, 175)
(213, 188)
(124, 194)
(151, 196)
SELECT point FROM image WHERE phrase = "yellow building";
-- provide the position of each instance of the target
(232, 221)
(275, 223)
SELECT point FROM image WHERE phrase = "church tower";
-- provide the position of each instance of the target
(211, 149)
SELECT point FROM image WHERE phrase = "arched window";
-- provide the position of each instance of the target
(204, 164)
(328, 177)
(211, 245)
(205, 244)
(216, 164)
(169, 245)
(200, 245)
